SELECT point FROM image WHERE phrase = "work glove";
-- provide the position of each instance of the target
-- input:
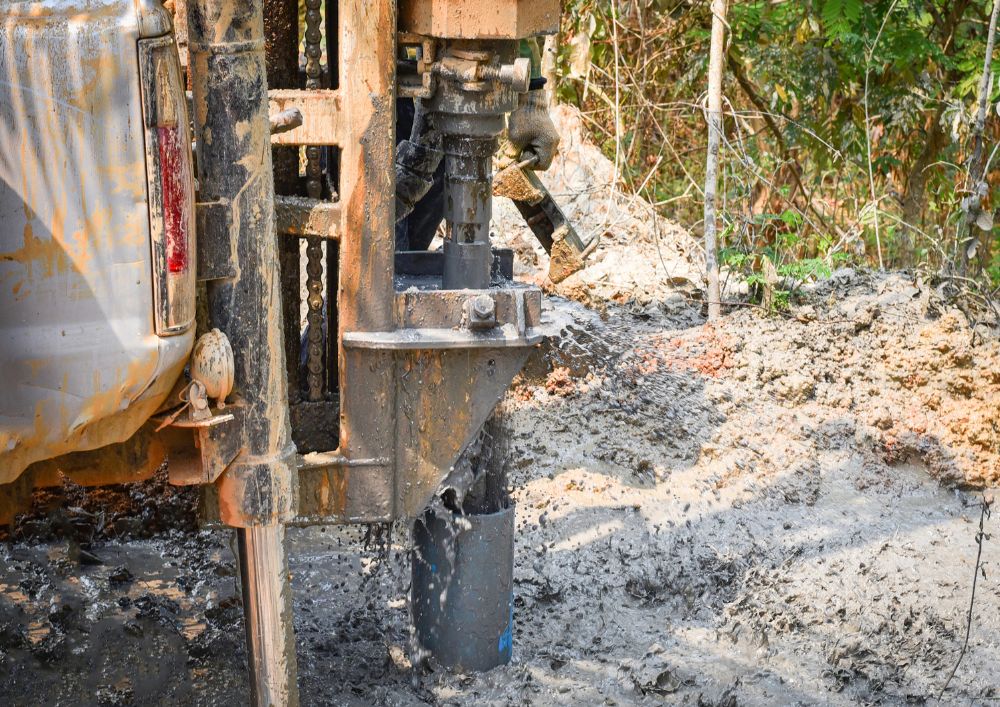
(531, 131)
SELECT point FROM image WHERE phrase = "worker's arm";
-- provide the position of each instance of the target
(417, 160)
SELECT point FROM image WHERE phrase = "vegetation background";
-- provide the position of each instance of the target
(849, 131)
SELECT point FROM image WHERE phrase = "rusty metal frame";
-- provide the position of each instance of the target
(415, 381)
(480, 19)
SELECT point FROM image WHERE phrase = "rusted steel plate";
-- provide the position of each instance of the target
(479, 19)
(200, 452)
(438, 340)
(442, 400)
(302, 216)
(332, 488)
(367, 387)
(15, 498)
(322, 118)
(516, 305)
(135, 459)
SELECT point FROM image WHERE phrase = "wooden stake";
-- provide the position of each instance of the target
(719, 9)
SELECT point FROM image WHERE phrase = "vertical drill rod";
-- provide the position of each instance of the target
(267, 611)
(468, 197)
(236, 217)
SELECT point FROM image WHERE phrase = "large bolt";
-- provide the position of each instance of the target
(482, 311)
(516, 75)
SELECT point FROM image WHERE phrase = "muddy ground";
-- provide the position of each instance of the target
(774, 509)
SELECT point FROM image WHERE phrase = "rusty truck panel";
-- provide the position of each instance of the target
(83, 365)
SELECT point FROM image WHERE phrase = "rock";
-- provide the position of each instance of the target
(806, 313)
(843, 276)
(795, 388)
(120, 575)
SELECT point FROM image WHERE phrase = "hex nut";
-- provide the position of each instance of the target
(482, 310)
(517, 75)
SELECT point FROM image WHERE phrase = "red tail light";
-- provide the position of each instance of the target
(174, 170)
(171, 185)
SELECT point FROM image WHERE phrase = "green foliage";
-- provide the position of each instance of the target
(787, 271)
(804, 66)
(840, 16)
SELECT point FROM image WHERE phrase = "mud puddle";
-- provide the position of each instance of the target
(625, 595)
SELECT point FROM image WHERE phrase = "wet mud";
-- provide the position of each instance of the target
(684, 536)
(774, 509)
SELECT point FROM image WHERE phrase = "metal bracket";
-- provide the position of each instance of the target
(216, 260)
(201, 460)
(421, 82)
(321, 116)
(300, 216)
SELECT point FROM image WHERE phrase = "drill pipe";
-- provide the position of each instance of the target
(236, 197)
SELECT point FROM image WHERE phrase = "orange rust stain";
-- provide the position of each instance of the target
(125, 178)
(47, 254)
(135, 229)
(324, 491)
(333, 491)
(127, 385)
(36, 365)
(102, 74)
(29, 213)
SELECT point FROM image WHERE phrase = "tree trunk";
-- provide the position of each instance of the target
(968, 235)
(719, 8)
(550, 55)
(916, 186)
(935, 141)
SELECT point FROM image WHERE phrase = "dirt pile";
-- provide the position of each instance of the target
(882, 352)
(887, 352)
(641, 257)
(752, 512)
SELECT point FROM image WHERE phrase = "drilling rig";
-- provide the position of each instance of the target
(349, 405)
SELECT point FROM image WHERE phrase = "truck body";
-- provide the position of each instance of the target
(96, 225)
(407, 353)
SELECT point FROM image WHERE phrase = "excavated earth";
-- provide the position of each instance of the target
(777, 508)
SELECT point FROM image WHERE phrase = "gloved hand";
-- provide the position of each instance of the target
(531, 130)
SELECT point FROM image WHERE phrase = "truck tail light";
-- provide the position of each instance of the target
(170, 176)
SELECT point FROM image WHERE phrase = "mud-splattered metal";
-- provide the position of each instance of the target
(82, 361)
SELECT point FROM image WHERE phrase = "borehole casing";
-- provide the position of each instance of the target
(463, 588)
